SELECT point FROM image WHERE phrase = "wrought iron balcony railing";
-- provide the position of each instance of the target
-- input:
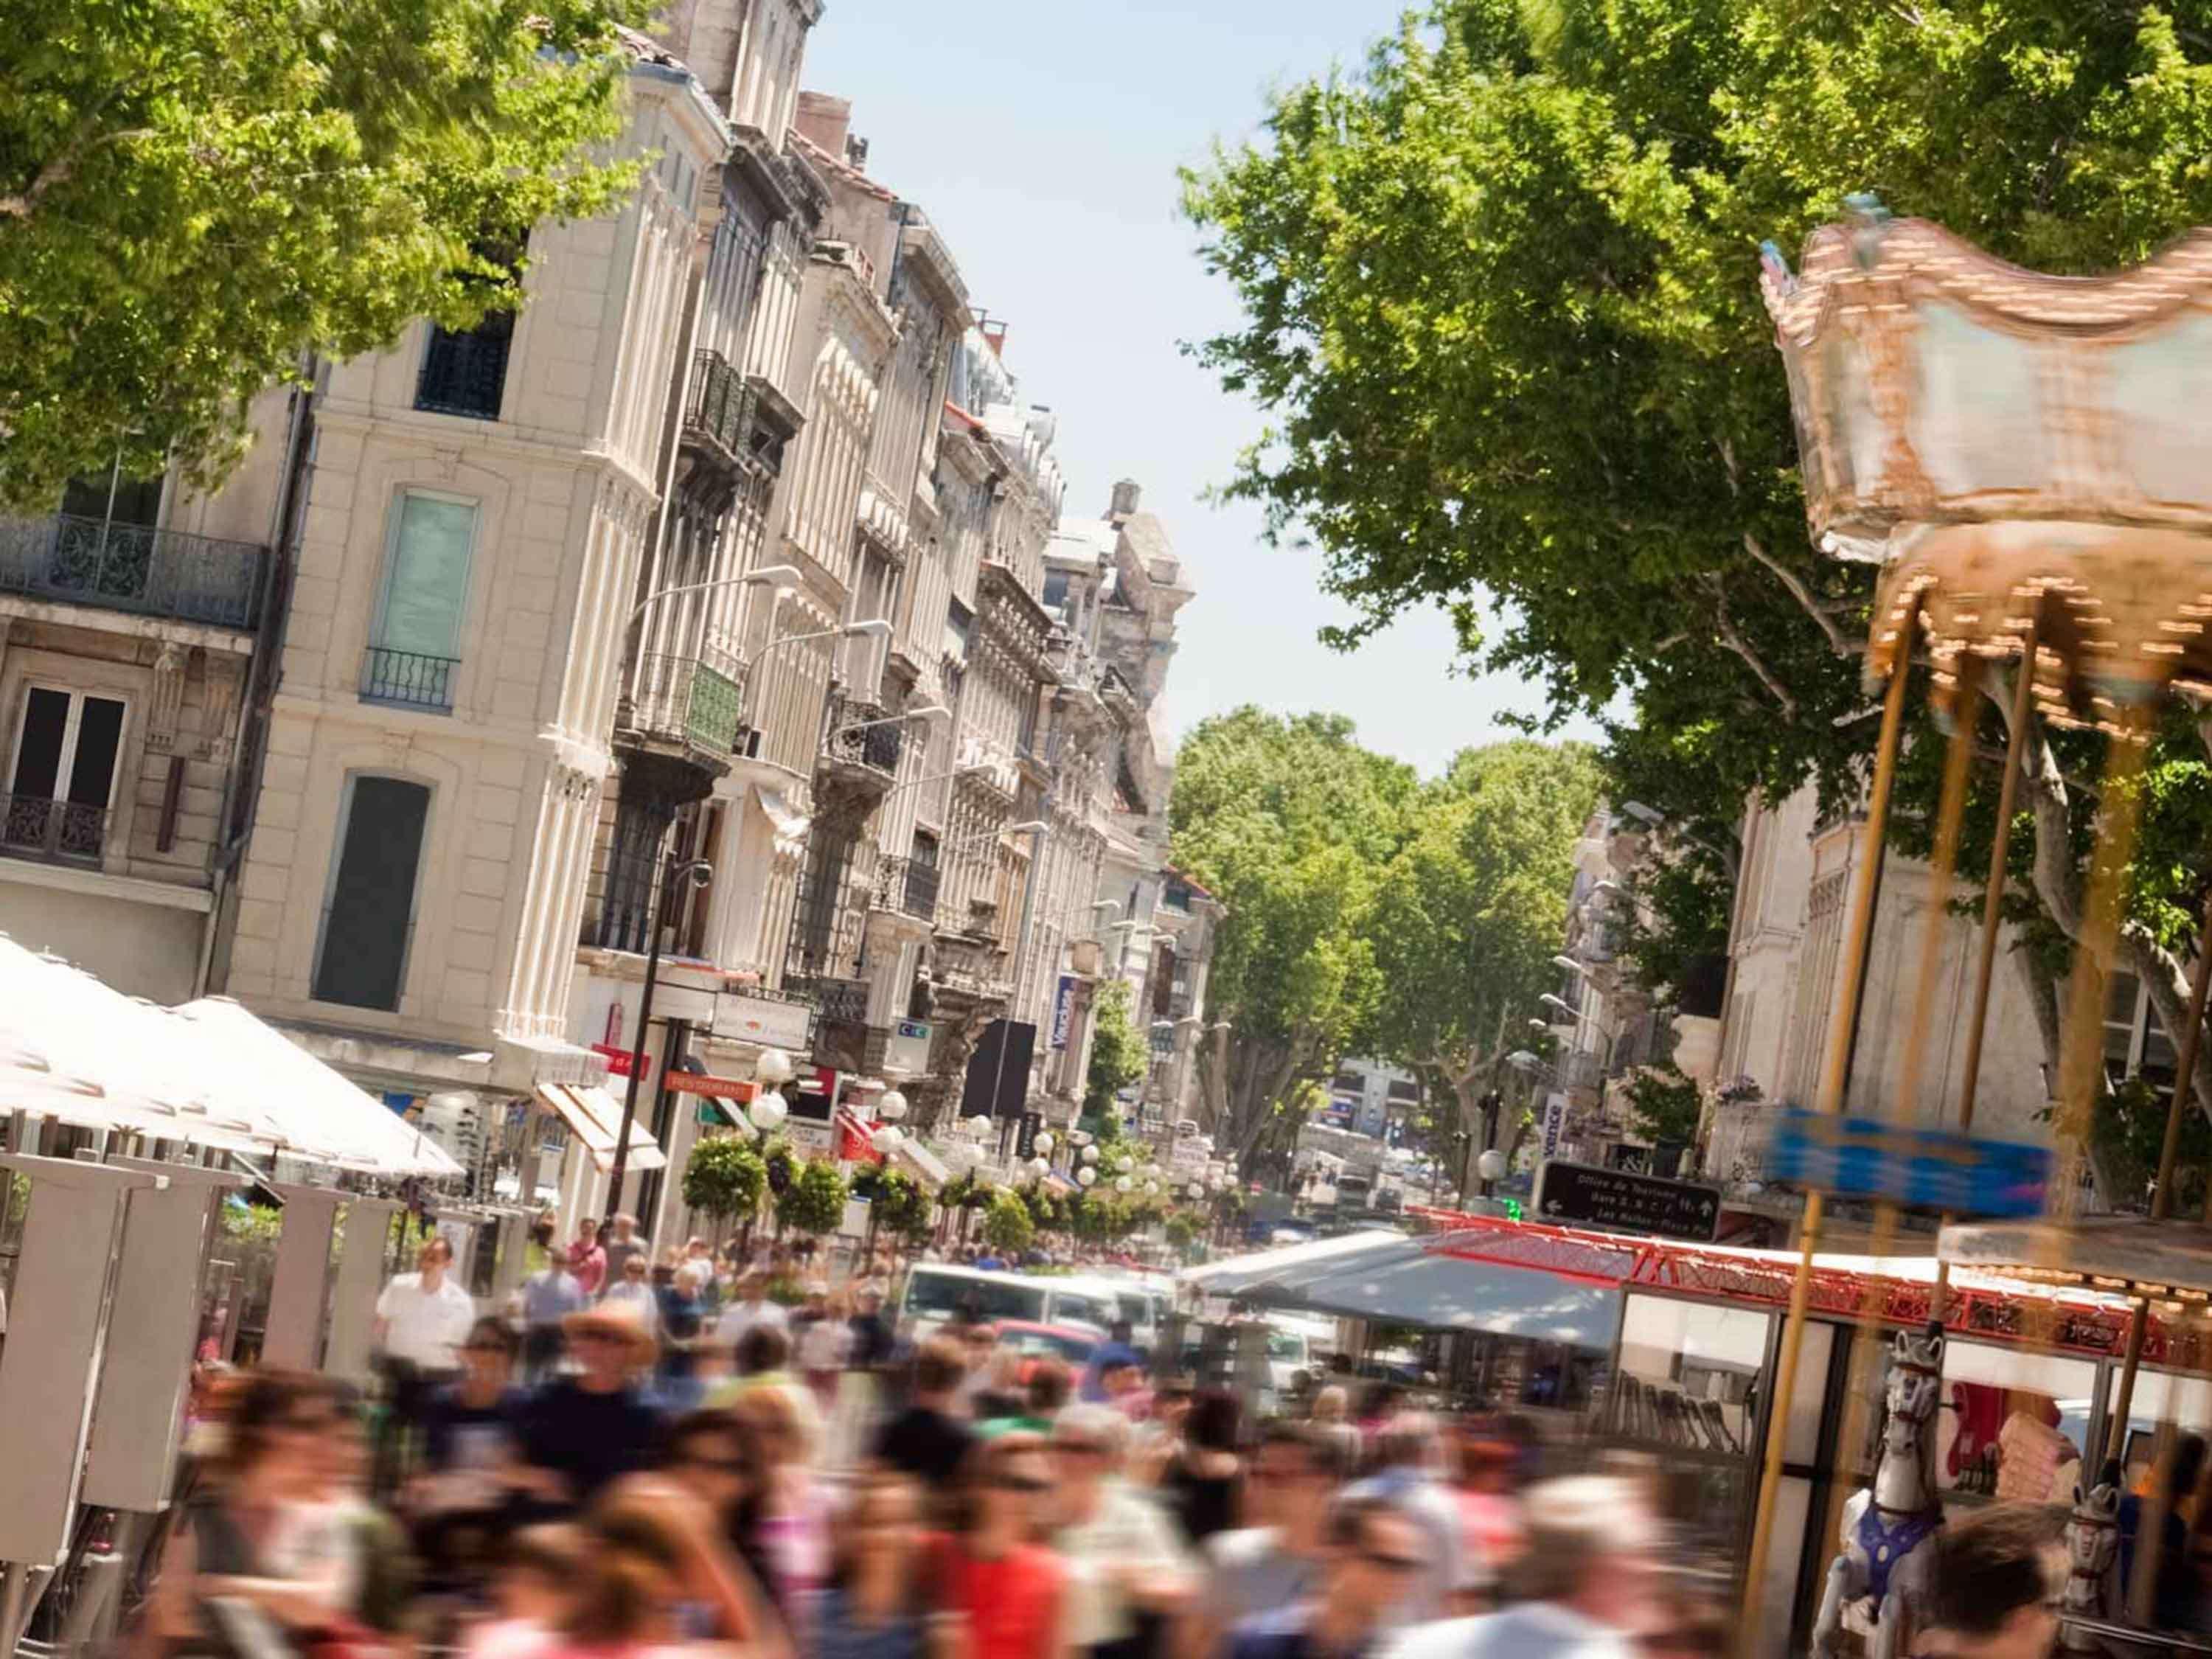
(466, 373)
(696, 700)
(860, 734)
(31, 826)
(908, 887)
(408, 678)
(836, 1002)
(136, 567)
(718, 408)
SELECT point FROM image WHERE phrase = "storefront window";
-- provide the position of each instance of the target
(2013, 1425)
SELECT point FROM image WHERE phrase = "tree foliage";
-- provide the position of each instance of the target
(1006, 1223)
(724, 1177)
(1664, 1106)
(1469, 914)
(195, 193)
(1118, 1048)
(1288, 822)
(1499, 307)
(814, 1201)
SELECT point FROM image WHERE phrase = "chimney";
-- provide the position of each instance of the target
(824, 121)
(1127, 494)
(856, 154)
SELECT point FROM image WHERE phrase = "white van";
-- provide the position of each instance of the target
(938, 1293)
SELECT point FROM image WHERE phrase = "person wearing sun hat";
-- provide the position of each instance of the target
(582, 1432)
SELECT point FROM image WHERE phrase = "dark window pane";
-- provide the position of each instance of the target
(137, 501)
(373, 899)
(99, 738)
(38, 759)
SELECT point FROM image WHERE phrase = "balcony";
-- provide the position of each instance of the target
(691, 700)
(133, 567)
(864, 734)
(408, 679)
(907, 886)
(60, 831)
(836, 1002)
(718, 411)
(466, 374)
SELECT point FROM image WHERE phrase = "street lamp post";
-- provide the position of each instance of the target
(698, 873)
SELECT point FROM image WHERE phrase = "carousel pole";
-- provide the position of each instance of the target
(1858, 941)
(1970, 1069)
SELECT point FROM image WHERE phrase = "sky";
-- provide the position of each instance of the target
(1042, 141)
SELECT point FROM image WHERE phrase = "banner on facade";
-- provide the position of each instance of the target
(998, 1071)
(1063, 1011)
(1555, 1123)
(1025, 1136)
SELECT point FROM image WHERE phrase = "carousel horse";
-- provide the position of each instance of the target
(1889, 1529)
(2092, 1553)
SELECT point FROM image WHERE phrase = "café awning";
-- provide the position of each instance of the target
(1444, 1292)
(594, 1116)
(1228, 1277)
(210, 1074)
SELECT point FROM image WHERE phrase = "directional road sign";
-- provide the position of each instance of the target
(1584, 1196)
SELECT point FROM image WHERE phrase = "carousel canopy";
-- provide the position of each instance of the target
(209, 1073)
(2011, 446)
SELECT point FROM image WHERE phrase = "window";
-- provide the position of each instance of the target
(370, 912)
(1055, 589)
(959, 621)
(417, 643)
(114, 500)
(63, 773)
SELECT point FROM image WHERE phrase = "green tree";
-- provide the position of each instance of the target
(1288, 822)
(1470, 913)
(723, 1178)
(1181, 1230)
(1499, 308)
(899, 1206)
(814, 1201)
(1118, 1049)
(1006, 1224)
(194, 195)
(1664, 1105)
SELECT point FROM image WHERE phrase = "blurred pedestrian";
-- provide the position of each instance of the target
(587, 1259)
(631, 1287)
(1010, 1593)
(422, 1320)
(791, 1521)
(465, 1497)
(621, 1244)
(1409, 1453)
(1590, 1576)
(928, 1440)
(549, 1296)
(1376, 1554)
(1292, 1481)
(879, 1603)
(1999, 1575)
(1128, 1571)
(750, 1309)
(1203, 1482)
(534, 1590)
(584, 1431)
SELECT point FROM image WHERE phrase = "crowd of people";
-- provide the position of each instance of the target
(702, 1468)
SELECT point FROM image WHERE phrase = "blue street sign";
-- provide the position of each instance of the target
(1923, 1169)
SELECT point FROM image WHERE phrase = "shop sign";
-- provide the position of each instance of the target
(907, 1050)
(1025, 1136)
(689, 1003)
(1865, 1158)
(1063, 1011)
(1555, 1123)
(619, 1061)
(808, 1138)
(701, 1083)
(768, 1022)
(1583, 1195)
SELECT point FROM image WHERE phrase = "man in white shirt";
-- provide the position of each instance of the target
(1412, 1452)
(423, 1317)
(751, 1308)
(1591, 1570)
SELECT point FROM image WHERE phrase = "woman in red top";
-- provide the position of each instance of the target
(1009, 1591)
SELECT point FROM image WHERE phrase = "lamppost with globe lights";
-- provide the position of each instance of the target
(697, 873)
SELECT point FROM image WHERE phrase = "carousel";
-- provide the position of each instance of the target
(2027, 460)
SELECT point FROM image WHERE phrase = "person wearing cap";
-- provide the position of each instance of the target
(581, 1432)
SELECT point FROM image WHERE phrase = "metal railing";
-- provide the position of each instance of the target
(37, 827)
(853, 738)
(908, 887)
(408, 678)
(837, 1001)
(690, 699)
(136, 567)
(466, 373)
(1581, 1070)
(718, 407)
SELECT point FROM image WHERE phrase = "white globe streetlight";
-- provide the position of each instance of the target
(1044, 1143)
(1122, 1184)
(767, 1111)
(1090, 1154)
(979, 1125)
(774, 1067)
(891, 1108)
(1039, 1168)
(1086, 1176)
(1491, 1166)
(1121, 1163)
(1152, 1188)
